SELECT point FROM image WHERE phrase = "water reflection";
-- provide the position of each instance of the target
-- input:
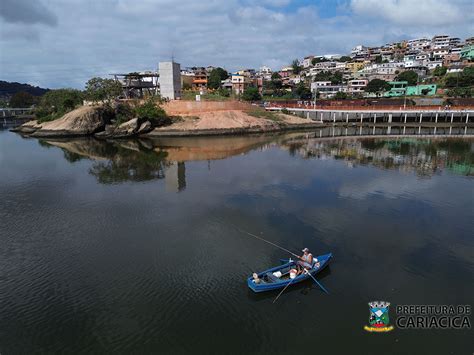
(143, 160)
(423, 156)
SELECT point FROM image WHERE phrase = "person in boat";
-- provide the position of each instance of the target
(306, 260)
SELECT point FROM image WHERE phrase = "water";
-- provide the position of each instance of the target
(132, 247)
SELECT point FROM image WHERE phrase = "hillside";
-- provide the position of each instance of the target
(8, 89)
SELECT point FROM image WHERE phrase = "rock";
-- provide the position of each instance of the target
(126, 129)
(82, 121)
(27, 127)
(145, 127)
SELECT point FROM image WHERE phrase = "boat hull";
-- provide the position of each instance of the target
(270, 286)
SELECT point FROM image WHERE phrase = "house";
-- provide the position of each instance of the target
(356, 86)
(240, 82)
(307, 61)
(434, 64)
(326, 89)
(467, 53)
(354, 66)
(200, 78)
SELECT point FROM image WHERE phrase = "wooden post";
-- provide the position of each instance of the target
(334, 116)
(436, 117)
(361, 117)
(405, 117)
(421, 117)
(347, 117)
(452, 118)
(467, 118)
(389, 118)
(375, 117)
(404, 129)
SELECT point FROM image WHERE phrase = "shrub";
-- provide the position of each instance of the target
(152, 112)
(251, 94)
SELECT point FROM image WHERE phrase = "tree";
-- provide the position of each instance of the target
(152, 112)
(378, 59)
(340, 95)
(56, 103)
(377, 86)
(275, 83)
(99, 89)
(215, 78)
(345, 58)
(440, 71)
(296, 66)
(251, 94)
(410, 76)
(334, 78)
(302, 91)
(23, 99)
(315, 60)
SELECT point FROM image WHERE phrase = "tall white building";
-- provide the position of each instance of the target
(170, 80)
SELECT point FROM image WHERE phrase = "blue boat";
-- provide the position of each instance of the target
(267, 281)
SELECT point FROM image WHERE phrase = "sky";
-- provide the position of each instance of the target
(63, 43)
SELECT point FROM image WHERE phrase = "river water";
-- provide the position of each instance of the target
(134, 246)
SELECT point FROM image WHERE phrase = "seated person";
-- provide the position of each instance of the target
(306, 260)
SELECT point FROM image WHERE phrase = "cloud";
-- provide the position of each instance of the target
(413, 13)
(27, 12)
(96, 38)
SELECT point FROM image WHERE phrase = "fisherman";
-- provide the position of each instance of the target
(306, 260)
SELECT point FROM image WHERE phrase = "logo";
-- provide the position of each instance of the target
(379, 319)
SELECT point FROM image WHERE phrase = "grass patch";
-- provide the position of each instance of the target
(261, 113)
(209, 96)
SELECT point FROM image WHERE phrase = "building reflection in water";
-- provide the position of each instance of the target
(175, 177)
(116, 162)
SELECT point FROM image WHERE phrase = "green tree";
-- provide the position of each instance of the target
(99, 89)
(274, 84)
(302, 91)
(23, 99)
(251, 94)
(315, 60)
(409, 75)
(340, 95)
(377, 86)
(378, 59)
(56, 103)
(440, 71)
(334, 78)
(215, 78)
(296, 66)
(345, 58)
(152, 112)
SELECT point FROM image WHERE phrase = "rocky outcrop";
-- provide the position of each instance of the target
(127, 129)
(83, 121)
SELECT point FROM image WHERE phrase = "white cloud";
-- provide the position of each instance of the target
(415, 13)
(100, 37)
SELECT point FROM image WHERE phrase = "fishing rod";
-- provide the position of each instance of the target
(277, 297)
(267, 241)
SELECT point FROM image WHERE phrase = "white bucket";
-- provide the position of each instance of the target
(277, 274)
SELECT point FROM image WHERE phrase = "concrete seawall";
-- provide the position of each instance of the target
(382, 116)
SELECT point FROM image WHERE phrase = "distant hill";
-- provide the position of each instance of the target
(8, 89)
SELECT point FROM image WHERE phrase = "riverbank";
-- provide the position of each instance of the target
(210, 119)
(183, 118)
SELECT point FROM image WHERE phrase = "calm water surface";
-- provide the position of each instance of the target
(133, 247)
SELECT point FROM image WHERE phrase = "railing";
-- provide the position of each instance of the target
(368, 107)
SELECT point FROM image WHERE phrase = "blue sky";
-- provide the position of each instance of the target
(62, 43)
